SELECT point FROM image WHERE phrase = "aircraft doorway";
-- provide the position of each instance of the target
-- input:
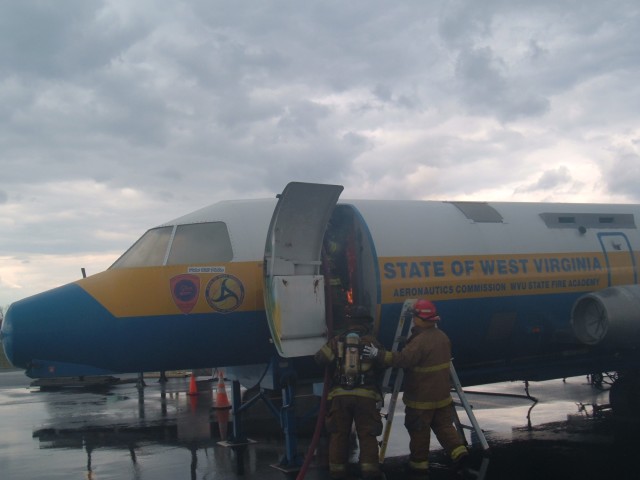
(351, 265)
(306, 224)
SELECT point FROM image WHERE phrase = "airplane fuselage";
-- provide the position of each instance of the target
(504, 276)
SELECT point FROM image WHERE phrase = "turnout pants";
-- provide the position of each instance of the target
(344, 410)
(419, 424)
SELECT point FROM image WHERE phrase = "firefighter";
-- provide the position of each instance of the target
(427, 386)
(354, 395)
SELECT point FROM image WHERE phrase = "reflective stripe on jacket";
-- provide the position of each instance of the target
(425, 360)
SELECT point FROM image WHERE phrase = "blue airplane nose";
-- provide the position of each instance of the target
(6, 335)
(58, 326)
(27, 328)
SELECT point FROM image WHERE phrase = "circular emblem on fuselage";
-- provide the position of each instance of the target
(224, 293)
(185, 290)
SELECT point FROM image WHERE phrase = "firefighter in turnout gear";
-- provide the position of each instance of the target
(354, 395)
(427, 388)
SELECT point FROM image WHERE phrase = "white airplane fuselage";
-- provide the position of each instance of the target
(524, 289)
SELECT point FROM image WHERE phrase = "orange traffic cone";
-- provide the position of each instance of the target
(193, 402)
(223, 422)
(222, 401)
(193, 388)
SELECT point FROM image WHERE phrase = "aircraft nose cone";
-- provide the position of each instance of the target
(64, 325)
(30, 329)
(6, 335)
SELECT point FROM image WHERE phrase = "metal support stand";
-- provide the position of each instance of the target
(291, 461)
(140, 382)
(238, 435)
(238, 441)
(282, 374)
(238, 438)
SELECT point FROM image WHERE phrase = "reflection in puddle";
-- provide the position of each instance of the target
(163, 433)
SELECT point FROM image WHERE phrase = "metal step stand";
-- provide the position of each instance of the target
(392, 380)
(480, 473)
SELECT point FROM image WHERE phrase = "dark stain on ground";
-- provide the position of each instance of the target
(595, 448)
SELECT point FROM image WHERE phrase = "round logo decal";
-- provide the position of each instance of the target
(224, 293)
(185, 290)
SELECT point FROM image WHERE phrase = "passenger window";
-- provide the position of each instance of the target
(200, 243)
(150, 250)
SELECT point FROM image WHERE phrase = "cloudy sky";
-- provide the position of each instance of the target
(117, 115)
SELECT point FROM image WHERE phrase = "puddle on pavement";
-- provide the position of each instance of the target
(167, 434)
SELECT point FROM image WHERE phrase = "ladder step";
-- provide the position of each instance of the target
(468, 427)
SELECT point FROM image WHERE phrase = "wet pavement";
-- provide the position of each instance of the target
(118, 431)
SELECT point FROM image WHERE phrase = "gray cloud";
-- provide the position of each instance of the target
(117, 116)
(61, 41)
(623, 176)
(485, 88)
(550, 180)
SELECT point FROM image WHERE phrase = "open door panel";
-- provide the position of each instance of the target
(293, 283)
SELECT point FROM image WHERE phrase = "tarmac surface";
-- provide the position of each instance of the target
(117, 431)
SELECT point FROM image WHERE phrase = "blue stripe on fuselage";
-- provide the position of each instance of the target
(497, 328)
(68, 325)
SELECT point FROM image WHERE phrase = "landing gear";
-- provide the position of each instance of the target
(603, 380)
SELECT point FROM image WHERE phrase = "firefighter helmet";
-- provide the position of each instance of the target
(425, 310)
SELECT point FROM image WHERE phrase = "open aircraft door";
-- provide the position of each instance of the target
(294, 290)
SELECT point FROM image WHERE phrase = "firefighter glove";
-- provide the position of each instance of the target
(370, 351)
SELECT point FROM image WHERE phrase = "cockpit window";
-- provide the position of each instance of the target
(200, 243)
(194, 243)
(149, 250)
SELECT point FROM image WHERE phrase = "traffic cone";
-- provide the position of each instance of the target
(193, 388)
(193, 402)
(222, 401)
(223, 422)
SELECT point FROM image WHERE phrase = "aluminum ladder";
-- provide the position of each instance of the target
(392, 381)
(463, 402)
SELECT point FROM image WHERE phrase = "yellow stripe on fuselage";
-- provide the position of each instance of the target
(145, 291)
(475, 276)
